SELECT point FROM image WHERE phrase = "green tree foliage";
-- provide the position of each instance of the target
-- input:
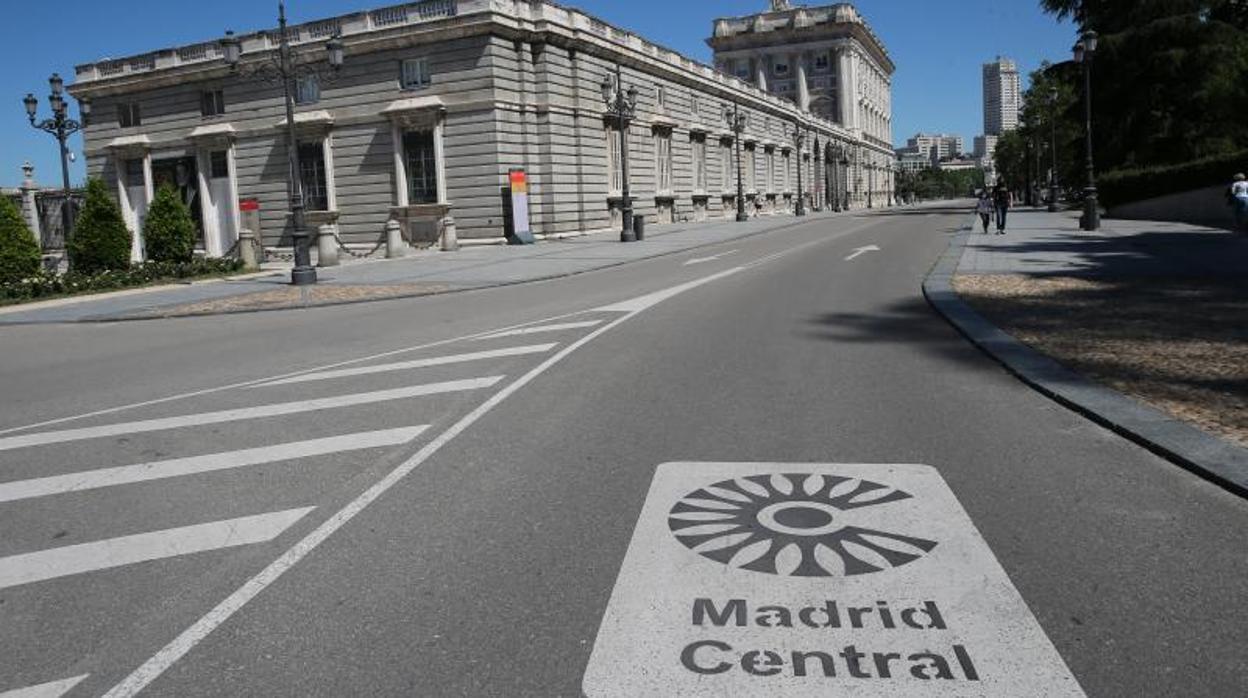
(19, 253)
(168, 230)
(1051, 124)
(100, 239)
(929, 185)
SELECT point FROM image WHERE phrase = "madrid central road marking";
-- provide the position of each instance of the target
(861, 251)
(274, 410)
(785, 580)
(55, 689)
(144, 547)
(194, 465)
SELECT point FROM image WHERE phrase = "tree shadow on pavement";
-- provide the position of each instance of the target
(911, 322)
(1148, 253)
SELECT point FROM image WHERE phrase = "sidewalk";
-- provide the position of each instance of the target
(421, 273)
(1138, 326)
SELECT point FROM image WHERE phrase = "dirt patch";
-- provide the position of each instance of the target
(298, 297)
(1178, 344)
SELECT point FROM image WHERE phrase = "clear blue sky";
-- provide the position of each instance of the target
(938, 46)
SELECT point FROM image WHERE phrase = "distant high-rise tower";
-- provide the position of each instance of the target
(1002, 96)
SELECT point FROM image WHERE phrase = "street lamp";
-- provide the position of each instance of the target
(61, 127)
(622, 106)
(736, 123)
(845, 177)
(1084, 52)
(1053, 150)
(799, 139)
(286, 68)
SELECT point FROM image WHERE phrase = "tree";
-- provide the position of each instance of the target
(20, 256)
(100, 241)
(168, 230)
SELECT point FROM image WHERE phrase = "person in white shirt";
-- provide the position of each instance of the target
(1239, 199)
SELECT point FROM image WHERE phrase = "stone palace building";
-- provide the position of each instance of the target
(437, 101)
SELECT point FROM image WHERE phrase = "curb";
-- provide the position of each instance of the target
(1205, 455)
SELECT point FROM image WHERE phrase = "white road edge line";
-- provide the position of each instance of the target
(414, 364)
(195, 465)
(144, 547)
(713, 258)
(43, 438)
(192, 636)
(54, 689)
(541, 329)
(257, 381)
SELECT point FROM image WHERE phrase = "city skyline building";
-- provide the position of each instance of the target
(1002, 96)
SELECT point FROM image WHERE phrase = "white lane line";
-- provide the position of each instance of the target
(179, 467)
(144, 547)
(861, 251)
(54, 689)
(192, 636)
(274, 410)
(267, 379)
(417, 363)
(647, 301)
(543, 328)
(713, 258)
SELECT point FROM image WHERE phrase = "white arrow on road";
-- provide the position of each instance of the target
(704, 260)
(861, 251)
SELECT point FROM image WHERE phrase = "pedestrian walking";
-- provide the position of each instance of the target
(985, 209)
(1239, 199)
(1001, 202)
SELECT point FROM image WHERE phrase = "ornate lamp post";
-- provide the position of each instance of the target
(736, 123)
(285, 68)
(870, 185)
(799, 139)
(845, 184)
(1084, 51)
(1053, 150)
(622, 107)
(61, 127)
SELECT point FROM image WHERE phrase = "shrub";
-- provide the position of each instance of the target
(168, 231)
(19, 253)
(1125, 186)
(100, 239)
(42, 284)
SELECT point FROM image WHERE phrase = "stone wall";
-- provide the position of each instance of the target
(1206, 207)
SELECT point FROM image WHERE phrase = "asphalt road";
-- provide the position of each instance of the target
(432, 526)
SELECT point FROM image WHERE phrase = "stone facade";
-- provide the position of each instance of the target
(436, 102)
(827, 61)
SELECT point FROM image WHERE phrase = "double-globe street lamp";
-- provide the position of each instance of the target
(622, 107)
(287, 69)
(61, 127)
(799, 139)
(736, 123)
(1084, 52)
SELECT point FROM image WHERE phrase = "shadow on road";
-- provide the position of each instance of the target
(910, 322)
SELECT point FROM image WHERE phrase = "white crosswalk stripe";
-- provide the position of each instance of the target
(413, 364)
(286, 408)
(54, 689)
(144, 547)
(159, 470)
(541, 329)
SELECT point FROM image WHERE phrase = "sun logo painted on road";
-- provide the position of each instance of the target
(798, 525)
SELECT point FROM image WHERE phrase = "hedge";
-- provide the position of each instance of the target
(1127, 185)
(19, 253)
(43, 284)
(100, 240)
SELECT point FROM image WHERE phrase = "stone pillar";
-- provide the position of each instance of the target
(326, 246)
(761, 76)
(847, 87)
(247, 250)
(395, 245)
(30, 207)
(449, 238)
(803, 87)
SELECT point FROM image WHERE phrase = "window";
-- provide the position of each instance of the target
(727, 175)
(771, 170)
(788, 161)
(821, 61)
(128, 115)
(422, 167)
(312, 176)
(615, 172)
(781, 68)
(134, 173)
(660, 98)
(219, 164)
(663, 158)
(416, 74)
(212, 103)
(741, 69)
(699, 163)
(307, 89)
(693, 106)
(747, 164)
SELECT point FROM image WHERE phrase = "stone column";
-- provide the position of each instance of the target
(761, 75)
(847, 84)
(803, 87)
(30, 207)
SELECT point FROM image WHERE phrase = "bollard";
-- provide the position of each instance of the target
(326, 246)
(639, 227)
(395, 246)
(247, 250)
(450, 239)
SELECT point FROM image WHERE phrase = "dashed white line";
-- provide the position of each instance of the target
(414, 364)
(179, 467)
(274, 410)
(144, 547)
